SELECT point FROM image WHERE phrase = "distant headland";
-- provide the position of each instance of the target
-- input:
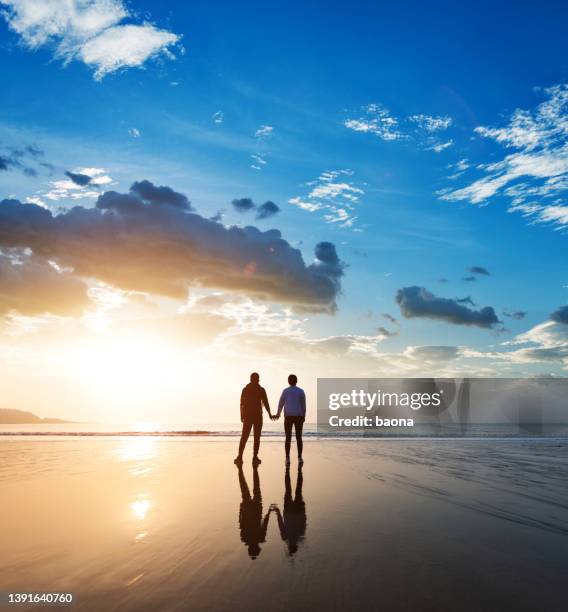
(21, 417)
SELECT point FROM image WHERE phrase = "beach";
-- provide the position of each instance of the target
(152, 523)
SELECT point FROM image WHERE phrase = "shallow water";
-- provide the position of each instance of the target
(152, 523)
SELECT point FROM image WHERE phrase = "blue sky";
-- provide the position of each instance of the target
(392, 131)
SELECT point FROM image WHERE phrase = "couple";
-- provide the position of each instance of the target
(292, 400)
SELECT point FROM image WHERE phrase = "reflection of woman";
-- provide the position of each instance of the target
(252, 526)
(292, 522)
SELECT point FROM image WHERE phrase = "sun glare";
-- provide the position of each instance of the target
(130, 369)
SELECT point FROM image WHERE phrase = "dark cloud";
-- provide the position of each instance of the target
(150, 194)
(20, 159)
(149, 240)
(243, 204)
(478, 270)
(560, 315)
(268, 209)
(383, 331)
(263, 211)
(390, 318)
(466, 300)
(419, 302)
(515, 314)
(29, 285)
(469, 279)
(557, 353)
(433, 353)
(79, 179)
(442, 280)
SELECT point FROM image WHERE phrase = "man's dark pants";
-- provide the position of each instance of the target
(248, 424)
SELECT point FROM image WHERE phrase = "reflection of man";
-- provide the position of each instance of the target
(292, 522)
(253, 397)
(252, 526)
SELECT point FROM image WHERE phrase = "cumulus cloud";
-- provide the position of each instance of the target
(418, 302)
(91, 31)
(263, 211)
(79, 179)
(533, 175)
(243, 204)
(30, 285)
(218, 117)
(150, 240)
(82, 183)
(560, 315)
(266, 210)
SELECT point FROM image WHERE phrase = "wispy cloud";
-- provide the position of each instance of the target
(376, 120)
(421, 128)
(333, 193)
(431, 123)
(534, 176)
(258, 161)
(264, 132)
(91, 31)
(218, 117)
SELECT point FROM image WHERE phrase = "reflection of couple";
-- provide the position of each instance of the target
(292, 401)
(291, 522)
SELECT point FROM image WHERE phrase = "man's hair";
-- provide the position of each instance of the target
(292, 379)
(254, 377)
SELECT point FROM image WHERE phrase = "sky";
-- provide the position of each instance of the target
(191, 192)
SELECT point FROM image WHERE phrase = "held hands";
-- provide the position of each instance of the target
(275, 417)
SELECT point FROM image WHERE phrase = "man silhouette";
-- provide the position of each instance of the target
(252, 525)
(253, 397)
(293, 401)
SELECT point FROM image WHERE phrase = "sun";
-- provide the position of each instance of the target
(129, 369)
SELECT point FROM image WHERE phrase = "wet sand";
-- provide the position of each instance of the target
(170, 524)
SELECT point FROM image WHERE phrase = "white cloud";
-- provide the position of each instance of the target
(440, 146)
(264, 132)
(422, 129)
(258, 161)
(89, 31)
(134, 132)
(218, 117)
(534, 176)
(333, 193)
(431, 123)
(66, 189)
(376, 120)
